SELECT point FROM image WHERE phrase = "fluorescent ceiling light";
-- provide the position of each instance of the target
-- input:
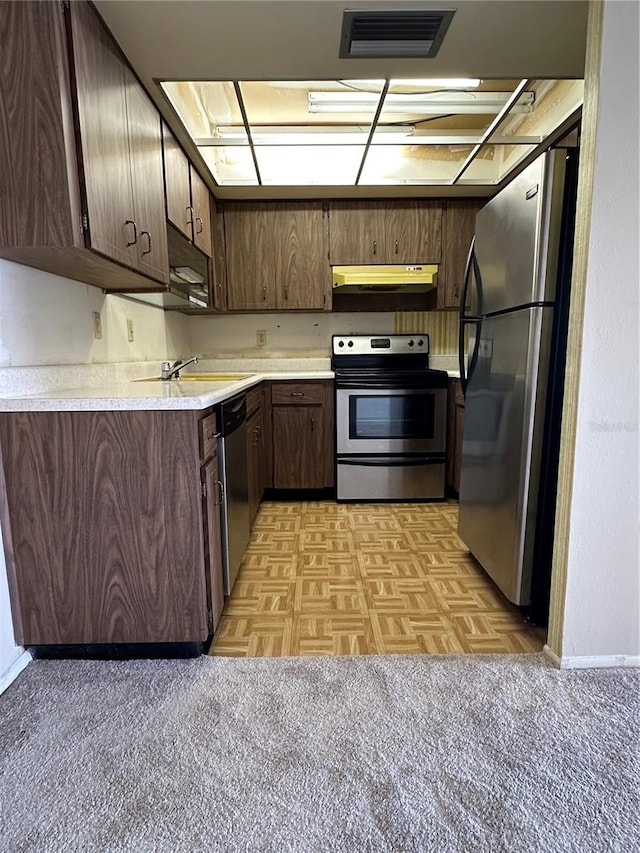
(483, 103)
(299, 135)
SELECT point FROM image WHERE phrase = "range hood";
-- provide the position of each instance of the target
(385, 278)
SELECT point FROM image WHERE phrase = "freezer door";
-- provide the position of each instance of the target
(517, 237)
(501, 448)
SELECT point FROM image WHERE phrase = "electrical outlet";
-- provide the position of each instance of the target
(261, 337)
(97, 325)
(130, 331)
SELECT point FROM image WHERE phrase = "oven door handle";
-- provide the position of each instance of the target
(405, 384)
(391, 461)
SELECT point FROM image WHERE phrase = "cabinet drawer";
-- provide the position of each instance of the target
(255, 399)
(297, 393)
(208, 436)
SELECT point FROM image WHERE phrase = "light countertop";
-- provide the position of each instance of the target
(141, 394)
(147, 395)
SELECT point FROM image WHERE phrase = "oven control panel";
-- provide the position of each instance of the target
(380, 344)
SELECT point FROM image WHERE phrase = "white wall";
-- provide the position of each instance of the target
(46, 320)
(602, 611)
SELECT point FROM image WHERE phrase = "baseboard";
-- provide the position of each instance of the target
(593, 661)
(10, 675)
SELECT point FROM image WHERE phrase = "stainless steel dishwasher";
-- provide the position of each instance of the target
(235, 503)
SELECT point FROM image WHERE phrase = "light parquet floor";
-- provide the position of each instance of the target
(329, 578)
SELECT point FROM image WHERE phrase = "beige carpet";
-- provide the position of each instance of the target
(378, 753)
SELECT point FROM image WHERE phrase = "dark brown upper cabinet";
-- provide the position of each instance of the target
(276, 256)
(188, 197)
(81, 155)
(385, 232)
(459, 228)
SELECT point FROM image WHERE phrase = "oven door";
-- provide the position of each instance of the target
(380, 420)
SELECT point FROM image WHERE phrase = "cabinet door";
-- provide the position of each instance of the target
(303, 274)
(219, 261)
(356, 233)
(459, 228)
(213, 538)
(176, 178)
(102, 112)
(412, 233)
(201, 201)
(301, 448)
(250, 263)
(145, 144)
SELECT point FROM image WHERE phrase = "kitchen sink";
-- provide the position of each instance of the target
(201, 377)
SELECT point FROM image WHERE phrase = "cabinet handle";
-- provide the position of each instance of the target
(220, 492)
(311, 424)
(189, 215)
(199, 230)
(148, 235)
(375, 247)
(297, 394)
(135, 232)
(396, 247)
(286, 292)
(264, 292)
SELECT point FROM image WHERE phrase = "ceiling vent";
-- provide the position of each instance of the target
(379, 33)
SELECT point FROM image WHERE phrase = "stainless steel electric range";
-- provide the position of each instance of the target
(391, 416)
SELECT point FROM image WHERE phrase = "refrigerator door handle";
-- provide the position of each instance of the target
(466, 280)
(465, 375)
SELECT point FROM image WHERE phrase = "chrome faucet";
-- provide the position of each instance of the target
(172, 371)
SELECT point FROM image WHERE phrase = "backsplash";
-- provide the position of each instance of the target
(309, 335)
(441, 326)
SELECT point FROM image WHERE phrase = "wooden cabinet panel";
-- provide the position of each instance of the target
(250, 263)
(385, 232)
(177, 187)
(303, 436)
(208, 436)
(219, 260)
(105, 526)
(102, 112)
(213, 537)
(201, 201)
(299, 443)
(413, 232)
(355, 232)
(145, 143)
(38, 172)
(302, 272)
(276, 257)
(455, 428)
(459, 228)
(66, 176)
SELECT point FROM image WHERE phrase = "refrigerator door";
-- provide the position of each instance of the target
(517, 234)
(502, 440)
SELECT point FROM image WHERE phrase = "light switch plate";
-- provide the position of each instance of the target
(97, 325)
(261, 337)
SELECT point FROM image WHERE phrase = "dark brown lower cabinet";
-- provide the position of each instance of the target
(255, 461)
(211, 509)
(455, 429)
(103, 526)
(303, 434)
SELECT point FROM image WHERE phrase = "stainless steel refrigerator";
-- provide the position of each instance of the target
(517, 292)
